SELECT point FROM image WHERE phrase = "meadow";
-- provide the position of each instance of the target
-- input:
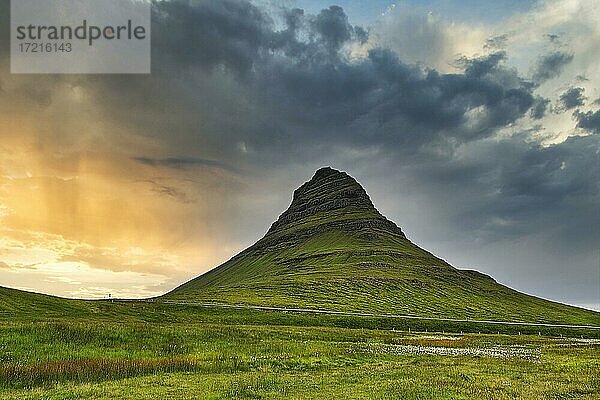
(138, 350)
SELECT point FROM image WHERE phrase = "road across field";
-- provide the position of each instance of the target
(356, 314)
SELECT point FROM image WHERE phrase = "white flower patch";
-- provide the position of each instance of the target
(496, 351)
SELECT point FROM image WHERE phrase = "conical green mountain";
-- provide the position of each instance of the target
(332, 250)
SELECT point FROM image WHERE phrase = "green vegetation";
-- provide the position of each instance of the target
(140, 350)
(333, 250)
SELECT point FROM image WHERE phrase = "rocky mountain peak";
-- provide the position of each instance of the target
(330, 195)
(329, 184)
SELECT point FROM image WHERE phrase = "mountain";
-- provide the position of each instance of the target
(332, 250)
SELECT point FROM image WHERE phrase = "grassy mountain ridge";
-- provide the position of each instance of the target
(16, 303)
(331, 249)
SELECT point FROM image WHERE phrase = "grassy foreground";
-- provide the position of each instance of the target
(156, 351)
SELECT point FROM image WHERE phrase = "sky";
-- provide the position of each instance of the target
(474, 125)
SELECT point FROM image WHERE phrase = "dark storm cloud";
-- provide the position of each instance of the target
(398, 102)
(482, 66)
(238, 35)
(553, 173)
(183, 163)
(551, 65)
(539, 108)
(512, 187)
(572, 98)
(588, 120)
(210, 33)
(332, 24)
(232, 72)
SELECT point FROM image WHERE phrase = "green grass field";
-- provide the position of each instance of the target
(138, 350)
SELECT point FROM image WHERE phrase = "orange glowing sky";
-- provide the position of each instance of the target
(80, 218)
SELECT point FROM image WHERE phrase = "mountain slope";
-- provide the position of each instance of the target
(331, 249)
(19, 304)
